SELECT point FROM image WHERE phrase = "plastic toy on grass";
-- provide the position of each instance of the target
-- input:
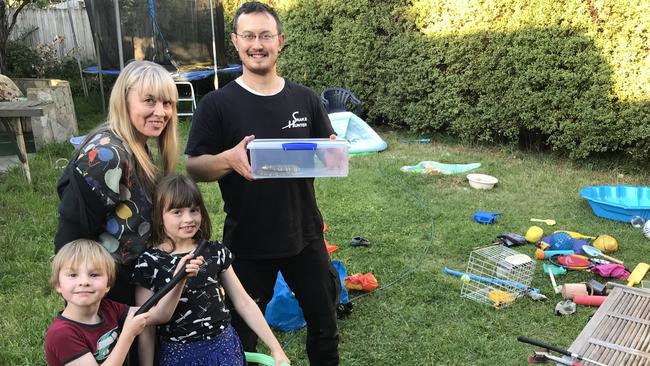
(619, 203)
(76, 140)
(575, 234)
(637, 274)
(559, 241)
(534, 234)
(572, 262)
(546, 254)
(552, 271)
(605, 243)
(484, 217)
(261, 359)
(594, 252)
(434, 167)
(481, 181)
(549, 222)
(363, 139)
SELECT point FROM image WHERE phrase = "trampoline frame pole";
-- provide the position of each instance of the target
(76, 53)
(214, 46)
(118, 30)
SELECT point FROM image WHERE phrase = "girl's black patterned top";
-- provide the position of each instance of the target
(201, 312)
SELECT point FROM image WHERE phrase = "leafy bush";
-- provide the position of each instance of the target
(570, 75)
(42, 61)
(25, 61)
(21, 59)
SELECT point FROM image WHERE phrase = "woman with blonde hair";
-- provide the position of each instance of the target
(106, 188)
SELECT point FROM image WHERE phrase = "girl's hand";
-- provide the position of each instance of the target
(193, 264)
(280, 358)
(135, 325)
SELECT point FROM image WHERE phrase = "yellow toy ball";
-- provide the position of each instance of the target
(534, 234)
(606, 244)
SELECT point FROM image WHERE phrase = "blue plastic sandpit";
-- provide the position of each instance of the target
(619, 203)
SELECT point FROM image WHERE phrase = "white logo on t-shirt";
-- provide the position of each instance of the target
(104, 344)
(296, 122)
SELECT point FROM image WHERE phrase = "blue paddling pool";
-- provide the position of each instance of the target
(363, 139)
(619, 203)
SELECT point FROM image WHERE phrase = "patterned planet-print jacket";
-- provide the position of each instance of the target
(103, 199)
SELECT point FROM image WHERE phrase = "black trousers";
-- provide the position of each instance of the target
(314, 281)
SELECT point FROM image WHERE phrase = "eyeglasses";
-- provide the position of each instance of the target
(251, 37)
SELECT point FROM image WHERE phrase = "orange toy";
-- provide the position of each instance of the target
(330, 248)
(359, 282)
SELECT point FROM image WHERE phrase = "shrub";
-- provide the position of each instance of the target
(569, 75)
(26, 61)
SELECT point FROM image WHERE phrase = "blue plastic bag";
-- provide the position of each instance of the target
(342, 273)
(284, 313)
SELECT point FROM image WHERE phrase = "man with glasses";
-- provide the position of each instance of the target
(271, 225)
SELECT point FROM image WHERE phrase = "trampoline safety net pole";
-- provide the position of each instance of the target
(118, 30)
(214, 46)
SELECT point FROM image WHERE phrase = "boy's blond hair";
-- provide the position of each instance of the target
(83, 251)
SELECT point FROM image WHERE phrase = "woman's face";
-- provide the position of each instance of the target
(148, 115)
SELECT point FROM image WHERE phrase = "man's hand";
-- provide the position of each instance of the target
(334, 158)
(237, 158)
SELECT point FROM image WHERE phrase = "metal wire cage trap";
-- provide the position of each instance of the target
(497, 276)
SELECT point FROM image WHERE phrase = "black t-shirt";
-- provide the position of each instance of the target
(266, 218)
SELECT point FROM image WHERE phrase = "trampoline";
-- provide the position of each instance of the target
(183, 79)
(186, 37)
(178, 75)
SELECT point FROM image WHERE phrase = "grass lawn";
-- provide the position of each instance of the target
(417, 225)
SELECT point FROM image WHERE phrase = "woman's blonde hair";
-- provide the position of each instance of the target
(79, 251)
(149, 77)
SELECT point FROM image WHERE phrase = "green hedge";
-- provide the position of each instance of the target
(570, 75)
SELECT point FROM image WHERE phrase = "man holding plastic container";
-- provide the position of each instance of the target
(271, 225)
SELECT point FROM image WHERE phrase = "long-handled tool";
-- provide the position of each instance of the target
(153, 300)
(558, 350)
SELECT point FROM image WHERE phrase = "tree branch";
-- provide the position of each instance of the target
(23, 3)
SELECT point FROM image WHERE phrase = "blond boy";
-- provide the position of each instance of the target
(93, 330)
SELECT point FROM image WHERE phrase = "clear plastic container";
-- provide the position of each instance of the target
(637, 222)
(298, 158)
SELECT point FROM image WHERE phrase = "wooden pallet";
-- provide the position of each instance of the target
(619, 331)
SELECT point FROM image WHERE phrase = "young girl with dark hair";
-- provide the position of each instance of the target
(199, 329)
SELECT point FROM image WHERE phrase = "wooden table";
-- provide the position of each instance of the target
(11, 114)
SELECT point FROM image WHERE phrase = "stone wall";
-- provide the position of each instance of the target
(60, 120)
